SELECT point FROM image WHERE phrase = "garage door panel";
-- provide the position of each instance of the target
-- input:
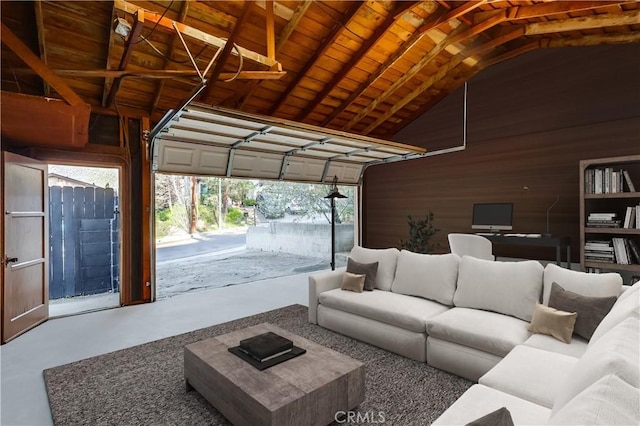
(259, 165)
(304, 169)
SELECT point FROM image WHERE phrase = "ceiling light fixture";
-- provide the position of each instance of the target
(121, 27)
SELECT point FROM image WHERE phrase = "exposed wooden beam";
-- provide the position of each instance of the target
(380, 31)
(184, 11)
(129, 46)
(325, 46)
(442, 72)
(456, 36)
(167, 24)
(584, 23)
(279, 9)
(42, 45)
(593, 40)
(512, 53)
(108, 82)
(29, 58)
(240, 97)
(159, 74)
(271, 31)
(293, 23)
(552, 8)
(226, 51)
(452, 14)
(435, 20)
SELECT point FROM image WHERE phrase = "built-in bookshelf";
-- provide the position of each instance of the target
(610, 214)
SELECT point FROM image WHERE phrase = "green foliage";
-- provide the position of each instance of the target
(235, 216)
(249, 202)
(163, 215)
(420, 232)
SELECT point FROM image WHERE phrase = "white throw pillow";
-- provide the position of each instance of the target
(432, 276)
(627, 306)
(387, 260)
(590, 285)
(617, 352)
(609, 401)
(510, 288)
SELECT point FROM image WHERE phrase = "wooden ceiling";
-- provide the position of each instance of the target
(367, 67)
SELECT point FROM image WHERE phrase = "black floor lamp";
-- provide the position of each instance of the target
(332, 196)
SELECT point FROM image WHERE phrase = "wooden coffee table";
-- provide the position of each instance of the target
(307, 390)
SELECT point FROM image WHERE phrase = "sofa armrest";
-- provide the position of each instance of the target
(319, 283)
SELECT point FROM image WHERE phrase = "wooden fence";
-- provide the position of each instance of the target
(84, 241)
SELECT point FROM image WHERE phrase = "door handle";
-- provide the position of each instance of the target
(8, 260)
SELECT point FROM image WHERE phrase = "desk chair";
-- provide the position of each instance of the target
(471, 245)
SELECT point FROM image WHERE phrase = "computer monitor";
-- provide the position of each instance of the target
(492, 216)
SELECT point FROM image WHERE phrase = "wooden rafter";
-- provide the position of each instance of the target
(167, 24)
(238, 99)
(226, 51)
(584, 23)
(594, 40)
(380, 31)
(42, 46)
(28, 57)
(432, 22)
(129, 47)
(159, 74)
(552, 8)
(108, 82)
(184, 11)
(456, 36)
(271, 31)
(326, 45)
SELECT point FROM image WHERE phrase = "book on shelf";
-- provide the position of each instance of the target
(607, 180)
(630, 218)
(620, 251)
(628, 181)
(634, 248)
(265, 346)
(601, 216)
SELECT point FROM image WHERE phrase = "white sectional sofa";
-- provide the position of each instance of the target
(471, 317)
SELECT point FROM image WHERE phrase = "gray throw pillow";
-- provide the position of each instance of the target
(591, 310)
(368, 269)
(500, 417)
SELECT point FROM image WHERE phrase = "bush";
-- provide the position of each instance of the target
(249, 202)
(163, 215)
(235, 216)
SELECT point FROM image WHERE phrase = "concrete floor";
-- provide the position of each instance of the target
(63, 340)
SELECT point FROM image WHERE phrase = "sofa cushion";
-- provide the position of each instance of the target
(353, 282)
(609, 401)
(410, 313)
(510, 288)
(529, 373)
(370, 270)
(590, 310)
(387, 260)
(550, 321)
(592, 285)
(480, 400)
(576, 348)
(614, 353)
(432, 276)
(627, 305)
(486, 331)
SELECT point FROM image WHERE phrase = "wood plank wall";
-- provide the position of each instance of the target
(530, 120)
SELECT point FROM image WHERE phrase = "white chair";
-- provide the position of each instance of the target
(471, 245)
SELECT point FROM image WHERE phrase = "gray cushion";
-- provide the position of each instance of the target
(500, 417)
(479, 329)
(410, 313)
(591, 310)
(628, 305)
(370, 270)
(387, 260)
(353, 282)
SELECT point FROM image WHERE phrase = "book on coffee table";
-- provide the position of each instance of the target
(266, 346)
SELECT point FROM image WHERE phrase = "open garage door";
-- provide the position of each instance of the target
(203, 140)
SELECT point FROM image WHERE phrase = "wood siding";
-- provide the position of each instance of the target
(530, 121)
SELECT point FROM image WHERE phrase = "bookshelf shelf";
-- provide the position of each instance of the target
(613, 231)
(605, 192)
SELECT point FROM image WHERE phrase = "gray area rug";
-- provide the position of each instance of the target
(144, 385)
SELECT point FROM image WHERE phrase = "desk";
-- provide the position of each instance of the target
(557, 242)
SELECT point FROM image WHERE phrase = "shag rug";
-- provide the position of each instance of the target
(144, 385)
